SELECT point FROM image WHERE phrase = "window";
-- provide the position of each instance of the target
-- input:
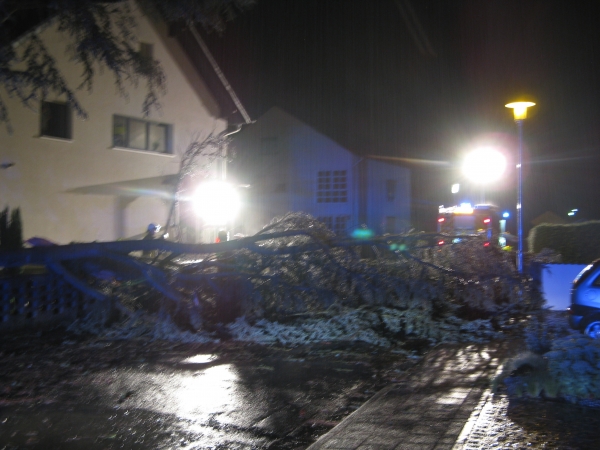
(339, 224)
(141, 134)
(146, 50)
(390, 190)
(332, 186)
(56, 120)
(327, 221)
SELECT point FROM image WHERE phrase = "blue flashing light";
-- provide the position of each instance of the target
(506, 214)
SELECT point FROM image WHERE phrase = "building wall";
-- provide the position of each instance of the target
(261, 163)
(46, 168)
(303, 153)
(388, 197)
(316, 158)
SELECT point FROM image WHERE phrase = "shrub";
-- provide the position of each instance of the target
(575, 364)
(527, 374)
(578, 243)
(11, 233)
(559, 363)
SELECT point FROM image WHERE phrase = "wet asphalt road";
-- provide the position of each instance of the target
(109, 395)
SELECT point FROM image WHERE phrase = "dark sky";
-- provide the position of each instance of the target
(428, 80)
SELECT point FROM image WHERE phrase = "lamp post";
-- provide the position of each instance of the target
(520, 114)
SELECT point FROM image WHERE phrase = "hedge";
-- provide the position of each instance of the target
(577, 243)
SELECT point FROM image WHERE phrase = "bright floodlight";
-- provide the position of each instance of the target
(484, 165)
(520, 109)
(216, 202)
(455, 188)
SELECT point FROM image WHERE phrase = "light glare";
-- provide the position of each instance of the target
(216, 202)
(484, 165)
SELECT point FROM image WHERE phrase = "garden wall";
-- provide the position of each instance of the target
(556, 284)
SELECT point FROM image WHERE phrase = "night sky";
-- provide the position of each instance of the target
(428, 80)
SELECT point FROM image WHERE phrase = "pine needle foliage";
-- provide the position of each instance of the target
(102, 37)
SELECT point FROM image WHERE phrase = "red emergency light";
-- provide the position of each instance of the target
(441, 219)
(487, 220)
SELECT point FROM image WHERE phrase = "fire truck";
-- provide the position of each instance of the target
(465, 219)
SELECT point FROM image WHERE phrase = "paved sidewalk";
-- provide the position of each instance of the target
(429, 408)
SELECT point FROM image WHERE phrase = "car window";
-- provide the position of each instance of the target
(585, 273)
(596, 282)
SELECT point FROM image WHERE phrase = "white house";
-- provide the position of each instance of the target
(103, 178)
(289, 166)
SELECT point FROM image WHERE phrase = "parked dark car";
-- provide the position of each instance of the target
(584, 312)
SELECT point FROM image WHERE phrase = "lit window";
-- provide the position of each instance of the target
(56, 120)
(332, 186)
(141, 135)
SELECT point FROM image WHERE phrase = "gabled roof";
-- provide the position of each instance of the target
(277, 111)
(548, 217)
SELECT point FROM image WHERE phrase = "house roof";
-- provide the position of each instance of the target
(276, 111)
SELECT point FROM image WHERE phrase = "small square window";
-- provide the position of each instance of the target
(332, 186)
(56, 120)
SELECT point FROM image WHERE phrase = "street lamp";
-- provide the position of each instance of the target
(520, 114)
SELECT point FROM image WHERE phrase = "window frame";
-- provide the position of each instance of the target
(338, 224)
(332, 186)
(147, 133)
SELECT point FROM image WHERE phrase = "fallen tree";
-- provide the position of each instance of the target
(294, 269)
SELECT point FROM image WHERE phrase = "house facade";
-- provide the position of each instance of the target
(290, 167)
(106, 177)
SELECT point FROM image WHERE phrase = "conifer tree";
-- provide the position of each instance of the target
(102, 37)
(3, 228)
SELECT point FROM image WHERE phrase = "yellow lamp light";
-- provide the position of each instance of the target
(520, 109)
